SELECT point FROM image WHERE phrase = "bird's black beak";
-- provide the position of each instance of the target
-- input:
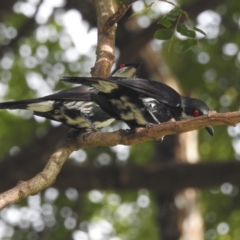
(210, 130)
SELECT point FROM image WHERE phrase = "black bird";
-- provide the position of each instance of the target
(140, 102)
(73, 107)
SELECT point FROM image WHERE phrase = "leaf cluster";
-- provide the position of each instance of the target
(171, 24)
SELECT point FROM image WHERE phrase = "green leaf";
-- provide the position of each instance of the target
(181, 28)
(173, 14)
(199, 30)
(165, 22)
(187, 44)
(142, 11)
(175, 11)
(163, 34)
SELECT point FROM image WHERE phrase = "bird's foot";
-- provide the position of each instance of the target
(126, 131)
(86, 134)
(83, 132)
(149, 125)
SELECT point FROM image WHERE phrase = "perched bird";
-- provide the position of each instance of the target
(140, 102)
(72, 107)
(126, 70)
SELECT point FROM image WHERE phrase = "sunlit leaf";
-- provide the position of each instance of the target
(188, 44)
(182, 29)
(163, 34)
(199, 30)
(165, 22)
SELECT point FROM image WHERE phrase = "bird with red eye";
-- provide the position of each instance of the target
(193, 107)
(141, 102)
(122, 65)
(127, 70)
(196, 113)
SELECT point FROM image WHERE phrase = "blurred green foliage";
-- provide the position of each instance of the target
(210, 72)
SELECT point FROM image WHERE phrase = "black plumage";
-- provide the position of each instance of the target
(139, 102)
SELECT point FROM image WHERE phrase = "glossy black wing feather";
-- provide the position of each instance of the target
(101, 84)
(147, 88)
(72, 94)
(88, 81)
(47, 115)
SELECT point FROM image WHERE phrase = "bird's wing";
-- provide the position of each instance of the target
(101, 84)
(46, 115)
(72, 94)
(147, 88)
(21, 104)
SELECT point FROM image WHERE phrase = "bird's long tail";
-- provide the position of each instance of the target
(32, 104)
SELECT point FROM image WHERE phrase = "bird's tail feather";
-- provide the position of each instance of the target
(39, 105)
(100, 84)
(21, 104)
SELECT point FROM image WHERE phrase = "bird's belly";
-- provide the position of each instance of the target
(129, 111)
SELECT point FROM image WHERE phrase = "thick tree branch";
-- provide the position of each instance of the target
(157, 131)
(43, 179)
(71, 143)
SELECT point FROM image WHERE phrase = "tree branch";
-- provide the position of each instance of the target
(106, 39)
(157, 131)
(43, 179)
(71, 143)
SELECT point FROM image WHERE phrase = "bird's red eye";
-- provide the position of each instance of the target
(122, 65)
(196, 113)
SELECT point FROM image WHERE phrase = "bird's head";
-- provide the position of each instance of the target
(194, 108)
(129, 70)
